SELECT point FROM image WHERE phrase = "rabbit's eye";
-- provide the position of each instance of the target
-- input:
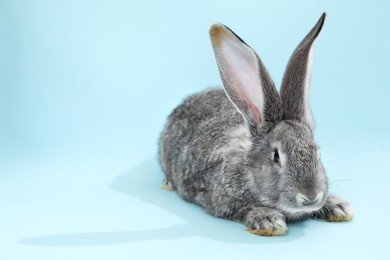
(276, 156)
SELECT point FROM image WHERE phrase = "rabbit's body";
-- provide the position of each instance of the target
(247, 153)
(207, 131)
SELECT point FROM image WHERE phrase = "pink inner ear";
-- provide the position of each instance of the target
(246, 84)
(255, 113)
(253, 109)
(239, 68)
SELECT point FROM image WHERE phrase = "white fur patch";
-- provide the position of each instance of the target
(301, 198)
(320, 196)
(298, 211)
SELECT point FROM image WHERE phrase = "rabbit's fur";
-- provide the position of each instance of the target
(245, 152)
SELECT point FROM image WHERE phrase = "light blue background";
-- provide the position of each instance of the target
(85, 88)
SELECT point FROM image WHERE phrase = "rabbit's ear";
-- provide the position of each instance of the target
(245, 79)
(295, 87)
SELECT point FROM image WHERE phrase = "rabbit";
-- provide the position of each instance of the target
(246, 153)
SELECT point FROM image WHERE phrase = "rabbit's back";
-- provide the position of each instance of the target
(194, 141)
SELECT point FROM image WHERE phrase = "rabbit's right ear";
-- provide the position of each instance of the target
(245, 79)
(296, 80)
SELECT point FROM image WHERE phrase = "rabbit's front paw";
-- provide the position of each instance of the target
(335, 210)
(265, 222)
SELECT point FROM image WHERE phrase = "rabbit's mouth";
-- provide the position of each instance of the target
(302, 209)
(295, 214)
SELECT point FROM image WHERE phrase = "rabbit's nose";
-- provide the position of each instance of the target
(303, 200)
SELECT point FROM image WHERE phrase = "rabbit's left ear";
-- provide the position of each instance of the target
(245, 79)
(295, 87)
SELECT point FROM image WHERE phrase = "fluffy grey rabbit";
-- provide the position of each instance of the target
(245, 152)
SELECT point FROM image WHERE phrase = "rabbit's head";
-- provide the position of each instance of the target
(284, 159)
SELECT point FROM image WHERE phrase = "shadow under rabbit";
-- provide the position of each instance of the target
(143, 182)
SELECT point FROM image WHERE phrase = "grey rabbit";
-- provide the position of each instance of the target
(245, 152)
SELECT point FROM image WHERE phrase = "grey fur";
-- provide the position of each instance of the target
(214, 153)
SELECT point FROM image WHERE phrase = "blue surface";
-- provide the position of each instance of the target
(85, 88)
